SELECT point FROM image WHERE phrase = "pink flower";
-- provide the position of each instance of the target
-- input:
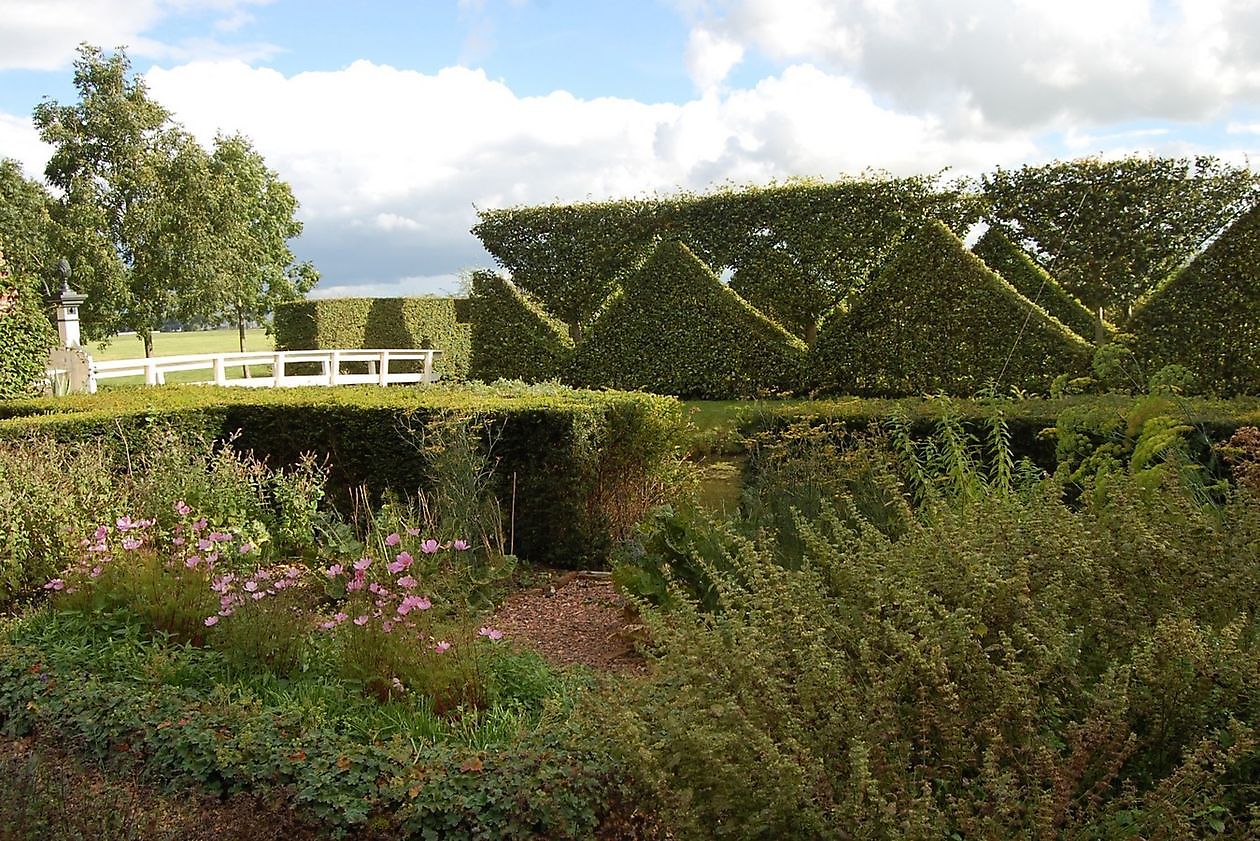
(334, 570)
(246, 548)
(340, 617)
(204, 545)
(490, 633)
(442, 647)
(182, 508)
(200, 524)
(410, 603)
(327, 626)
(259, 595)
(125, 523)
(251, 586)
(178, 541)
(212, 620)
(222, 583)
(293, 573)
(96, 572)
(392, 539)
(430, 546)
(191, 561)
(413, 532)
(55, 584)
(407, 582)
(361, 620)
(401, 562)
(461, 545)
(356, 584)
(220, 537)
(101, 533)
(282, 584)
(387, 626)
(362, 564)
(130, 543)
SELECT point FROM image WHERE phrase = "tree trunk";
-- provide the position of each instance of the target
(146, 336)
(240, 331)
(811, 331)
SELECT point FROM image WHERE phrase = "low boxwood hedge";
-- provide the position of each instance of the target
(571, 465)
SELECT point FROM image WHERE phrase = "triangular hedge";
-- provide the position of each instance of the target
(936, 318)
(513, 338)
(1035, 283)
(1206, 316)
(675, 329)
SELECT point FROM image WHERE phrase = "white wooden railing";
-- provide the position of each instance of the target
(218, 365)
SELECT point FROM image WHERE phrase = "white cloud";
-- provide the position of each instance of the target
(43, 34)
(1018, 63)
(19, 140)
(710, 57)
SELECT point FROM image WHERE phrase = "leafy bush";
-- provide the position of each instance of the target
(675, 329)
(937, 319)
(1206, 316)
(440, 323)
(1036, 284)
(513, 338)
(25, 334)
(1009, 667)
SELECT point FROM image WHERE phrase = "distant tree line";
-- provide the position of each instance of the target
(156, 228)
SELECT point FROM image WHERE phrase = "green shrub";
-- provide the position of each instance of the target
(25, 334)
(439, 323)
(1036, 284)
(675, 329)
(513, 338)
(1009, 667)
(1206, 317)
(574, 469)
(937, 319)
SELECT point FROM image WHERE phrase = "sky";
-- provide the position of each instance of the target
(394, 122)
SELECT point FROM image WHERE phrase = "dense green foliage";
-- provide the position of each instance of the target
(1206, 317)
(937, 319)
(1036, 284)
(512, 337)
(26, 230)
(1112, 230)
(801, 246)
(438, 323)
(25, 335)
(991, 663)
(675, 329)
(573, 468)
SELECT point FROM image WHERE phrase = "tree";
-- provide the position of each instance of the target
(1110, 231)
(253, 267)
(26, 227)
(134, 206)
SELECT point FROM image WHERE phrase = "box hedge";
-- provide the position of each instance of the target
(440, 323)
(574, 464)
(936, 318)
(513, 338)
(675, 329)
(1036, 284)
(1206, 317)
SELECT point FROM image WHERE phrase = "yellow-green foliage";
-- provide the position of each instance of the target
(1035, 283)
(513, 338)
(1206, 317)
(439, 323)
(25, 336)
(937, 319)
(675, 329)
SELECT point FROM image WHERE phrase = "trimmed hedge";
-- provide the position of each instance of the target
(1036, 284)
(675, 329)
(575, 465)
(1206, 317)
(513, 338)
(440, 323)
(936, 318)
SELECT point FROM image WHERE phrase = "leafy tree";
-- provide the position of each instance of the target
(26, 228)
(253, 267)
(134, 208)
(1110, 231)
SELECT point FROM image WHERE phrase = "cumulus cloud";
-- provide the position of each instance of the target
(43, 34)
(1021, 64)
(391, 165)
(710, 57)
(19, 140)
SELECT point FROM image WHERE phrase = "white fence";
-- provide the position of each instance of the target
(218, 366)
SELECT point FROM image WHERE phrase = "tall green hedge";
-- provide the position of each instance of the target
(1036, 284)
(440, 323)
(26, 335)
(513, 338)
(576, 468)
(675, 329)
(937, 319)
(1207, 315)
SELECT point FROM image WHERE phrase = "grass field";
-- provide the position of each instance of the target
(178, 344)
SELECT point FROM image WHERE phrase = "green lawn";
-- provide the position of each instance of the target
(178, 344)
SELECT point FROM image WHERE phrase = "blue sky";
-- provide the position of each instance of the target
(393, 121)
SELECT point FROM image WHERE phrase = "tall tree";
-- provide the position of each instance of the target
(1110, 231)
(134, 204)
(26, 228)
(254, 213)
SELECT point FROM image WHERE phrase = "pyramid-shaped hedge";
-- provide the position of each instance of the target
(936, 318)
(1207, 316)
(513, 338)
(675, 329)
(1035, 283)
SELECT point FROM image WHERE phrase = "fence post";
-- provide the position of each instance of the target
(277, 369)
(220, 373)
(150, 371)
(428, 366)
(333, 366)
(384, 373)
